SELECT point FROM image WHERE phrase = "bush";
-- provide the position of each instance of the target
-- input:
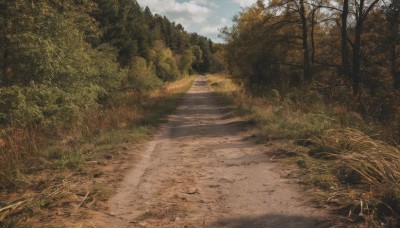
(142, 76)
(36, 104)
(165, 63)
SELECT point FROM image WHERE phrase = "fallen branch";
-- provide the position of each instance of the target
(84, 198)
(12, 206)
(5, 211)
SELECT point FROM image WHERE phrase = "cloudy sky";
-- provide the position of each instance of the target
(202, 16)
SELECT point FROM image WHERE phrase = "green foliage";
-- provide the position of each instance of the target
(43, 45)
(142, 76)
(185, 62)
(70, 57)
(36, 104)
(198, 56)
(165, 63)
(109, 74)
(261, 53)
(66, 158)
(125, 28)
(78, 68)
(201, 47)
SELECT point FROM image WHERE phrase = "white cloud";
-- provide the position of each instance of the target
(205, 17)
(207, 3)
(194, 12)
(213, 29)
(244, 3)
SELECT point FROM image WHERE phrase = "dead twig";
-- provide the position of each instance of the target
(5, 211)
(84, 198)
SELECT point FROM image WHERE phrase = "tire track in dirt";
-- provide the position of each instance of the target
(202, 170)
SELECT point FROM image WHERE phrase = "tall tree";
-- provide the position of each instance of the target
(307, 74)
(344, 38)
(392, 14)
(361, 14)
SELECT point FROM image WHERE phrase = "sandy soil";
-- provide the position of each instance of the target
(203, 169)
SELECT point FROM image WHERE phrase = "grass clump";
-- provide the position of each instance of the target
(371, 165)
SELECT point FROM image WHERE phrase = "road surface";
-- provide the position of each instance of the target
(203, 169)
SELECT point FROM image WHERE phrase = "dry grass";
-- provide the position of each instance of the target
(367, 166)
(56, 194)
(346, 170)
(29, 156)
(18, 145)
(375, 161)
(277, 117)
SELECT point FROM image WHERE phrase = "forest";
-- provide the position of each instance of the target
(84, 72)
(61, 60)
(326, 71)
(346, 52)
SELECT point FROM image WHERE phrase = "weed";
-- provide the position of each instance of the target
(71, 160)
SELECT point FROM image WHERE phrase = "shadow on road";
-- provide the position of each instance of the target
(273, 221)
(181, 129)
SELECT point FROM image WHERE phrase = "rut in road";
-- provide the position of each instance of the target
(202, 170)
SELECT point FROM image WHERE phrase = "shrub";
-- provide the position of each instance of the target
(165, 63)
(36, 104)
(142, 76)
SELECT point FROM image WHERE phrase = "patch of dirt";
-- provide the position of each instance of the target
(204, 169)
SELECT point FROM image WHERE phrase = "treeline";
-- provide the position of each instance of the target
(60, 59)
(345, 53)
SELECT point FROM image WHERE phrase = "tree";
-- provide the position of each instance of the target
(361, 13)
(307, 75)
(185, 62)
(344, 38)
(392, 13)
(142, 76)
(125, 28)
(165, 63)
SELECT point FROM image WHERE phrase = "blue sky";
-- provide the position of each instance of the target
(202, 16)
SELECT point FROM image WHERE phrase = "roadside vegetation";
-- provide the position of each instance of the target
(78, 79)
(324, 75)
(69, 176)
(344, 167)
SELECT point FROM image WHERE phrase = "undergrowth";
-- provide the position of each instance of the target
(350, 165)
(38, 166)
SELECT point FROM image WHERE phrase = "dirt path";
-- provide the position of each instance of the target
(203, 170)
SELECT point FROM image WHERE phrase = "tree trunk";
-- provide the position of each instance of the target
(306, 56)
(6, 70)
(361, 15)
(357, 57)
(313, 38)
(345, 50)
(394, 68)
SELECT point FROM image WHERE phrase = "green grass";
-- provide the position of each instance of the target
(275, 118)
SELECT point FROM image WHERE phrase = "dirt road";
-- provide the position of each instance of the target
(203, 170)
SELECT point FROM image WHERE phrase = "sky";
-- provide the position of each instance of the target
(204, 17)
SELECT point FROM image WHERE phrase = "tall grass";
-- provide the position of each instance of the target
(369, 166)
(344, 159)
(126, 118)
(277, 116)
(376, 162)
